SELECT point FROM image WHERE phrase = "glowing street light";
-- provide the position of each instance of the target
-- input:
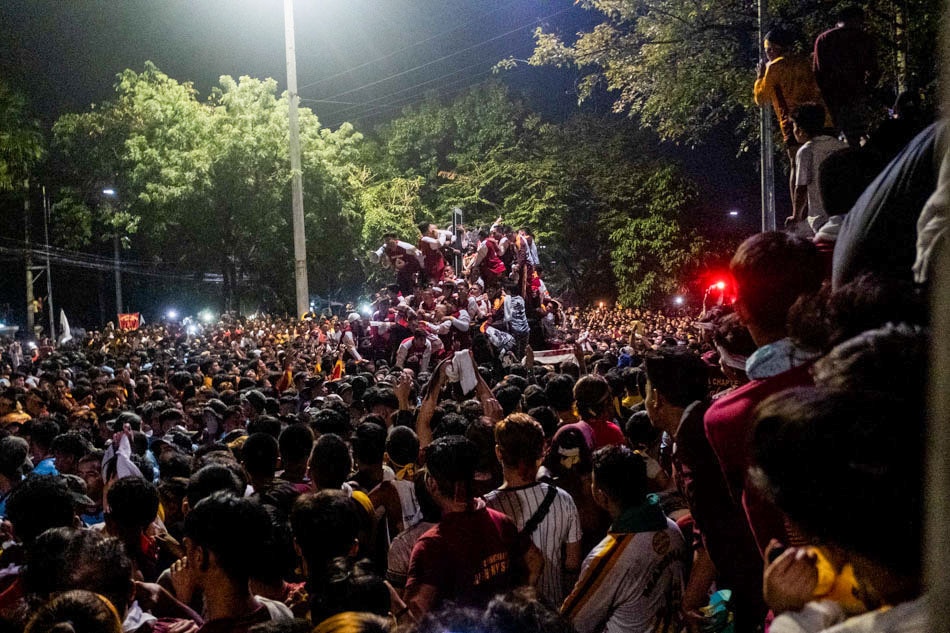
(678, 300)
(171, 315)
(734, 213)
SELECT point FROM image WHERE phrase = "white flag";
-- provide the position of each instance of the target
(64, 327)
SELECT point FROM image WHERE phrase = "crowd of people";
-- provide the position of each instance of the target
(469, 455)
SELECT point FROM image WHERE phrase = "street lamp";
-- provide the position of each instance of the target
(109, 191)
(300, 240)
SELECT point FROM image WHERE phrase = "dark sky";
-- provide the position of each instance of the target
(374, 53)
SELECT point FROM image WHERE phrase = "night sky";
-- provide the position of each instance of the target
(357, 60)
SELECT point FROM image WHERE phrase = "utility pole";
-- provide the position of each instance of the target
(49, 272)
(118, 273)
(767, 158)
(300, 240)
(28, 259)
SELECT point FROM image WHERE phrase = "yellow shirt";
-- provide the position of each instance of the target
(788, 82)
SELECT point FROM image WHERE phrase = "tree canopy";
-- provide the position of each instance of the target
(685, 67)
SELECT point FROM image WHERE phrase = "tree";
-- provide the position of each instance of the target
(577, 185)
(686, 67)
(206, 185)
(21, 144)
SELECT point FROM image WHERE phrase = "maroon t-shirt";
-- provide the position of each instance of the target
(469, 557)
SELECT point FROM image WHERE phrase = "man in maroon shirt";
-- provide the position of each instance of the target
(846, 69)
(472, 554)
(771, 271)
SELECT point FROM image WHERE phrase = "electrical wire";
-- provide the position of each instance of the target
(403, 49)
(445, 57)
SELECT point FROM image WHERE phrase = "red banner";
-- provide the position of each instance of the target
(130, 321)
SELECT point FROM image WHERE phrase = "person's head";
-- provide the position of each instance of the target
(509, 397)
(65, 559)
(778, 42)
(851, 15)
(675, 379)
(520, 611)
(369, 444)
(427, 229)
(38, 504)
(295, 443)
(349, 587)
(353, 622)
(330, 462)
(772, 270)
(808, 121)
(620, 478)
(593, 396)
(451, 462)
(327, 421)
(734, 345)
(833, 460)
(568, 453)
(217, 551)
(890, 360)
(560, 392)
(259, 456)
(519, 443)
(133, 504)
(402, 447)
(13, 452)
(90, 469)
(42, 433)
(76, 612)
(68, 449)
(325, 526)
(211, 479)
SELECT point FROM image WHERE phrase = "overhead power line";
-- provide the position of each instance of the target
(445, 57)
(402, 50)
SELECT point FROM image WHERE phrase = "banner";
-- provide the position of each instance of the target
(130, 321)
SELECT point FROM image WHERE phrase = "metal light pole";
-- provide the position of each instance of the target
(300, 240)
(49, 270)
(767, 157)
(116, 261)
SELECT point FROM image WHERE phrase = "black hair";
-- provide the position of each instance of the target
(43, 432)
(509, 397)
(621, 474)
(295, 443)
(369, 443)
(210, 479)
(832, 460)
(325, 526)
(402, 444)
(520, 611)
(560, 392)
(266, 424)
(681, 376)
(66, 558)
(13, 452)
(71, 443)
(211, 525)
(330, 461)
(780, 37)
(37, 504)
(133, 502)
(349, 586)
(547, 418)
(332, 421)
(452, 461)
(259, 455)
(810, 118)
(639, 431)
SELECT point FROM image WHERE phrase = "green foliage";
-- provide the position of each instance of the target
(593, 189)
(206, 185)
(685, 67)
(21, 144)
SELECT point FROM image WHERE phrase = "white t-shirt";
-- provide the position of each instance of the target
(808, 160)
(561, 525)
(630, 583)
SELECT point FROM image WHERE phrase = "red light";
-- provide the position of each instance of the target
(721, 285)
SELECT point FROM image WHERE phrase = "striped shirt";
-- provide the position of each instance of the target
(630, 583)
(561, 525)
